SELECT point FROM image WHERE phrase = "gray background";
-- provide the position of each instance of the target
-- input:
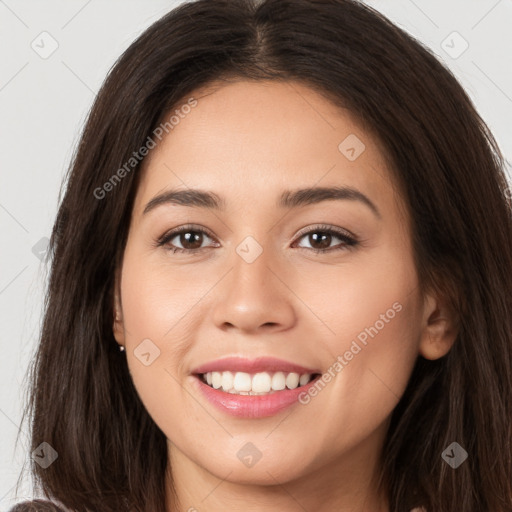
(43, 102)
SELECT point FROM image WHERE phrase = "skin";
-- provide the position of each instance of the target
(247, 142)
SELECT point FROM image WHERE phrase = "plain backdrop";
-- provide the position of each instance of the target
(54, 57)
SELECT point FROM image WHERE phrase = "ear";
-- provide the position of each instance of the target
(118, 325)
(439, 330)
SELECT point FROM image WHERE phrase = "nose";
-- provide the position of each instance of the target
(255, 297)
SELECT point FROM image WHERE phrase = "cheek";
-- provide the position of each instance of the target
(156, 300)
(374, 316)
(154, 314)
(371, 358)
(373, 298)
(381, 319)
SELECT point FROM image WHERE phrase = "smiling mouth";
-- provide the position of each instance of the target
(262, 383)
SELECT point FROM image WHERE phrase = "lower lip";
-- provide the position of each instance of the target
(253, 406)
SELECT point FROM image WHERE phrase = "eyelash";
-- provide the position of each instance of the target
(349, 241)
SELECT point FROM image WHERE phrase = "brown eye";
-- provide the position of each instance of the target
(320, 242)
(320, 239)
(190, 238)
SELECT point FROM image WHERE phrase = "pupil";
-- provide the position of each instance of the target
(188, 239)
(326, 239)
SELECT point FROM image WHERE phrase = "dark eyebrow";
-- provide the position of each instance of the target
(288, 199)
(188, 197)
(313, 195)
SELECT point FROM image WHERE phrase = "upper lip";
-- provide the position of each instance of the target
(260, 364)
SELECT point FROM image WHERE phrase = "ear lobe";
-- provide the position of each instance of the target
(118, 327)
(118, 324)
(439, 330)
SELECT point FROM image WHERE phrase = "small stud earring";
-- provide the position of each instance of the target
(121, 348)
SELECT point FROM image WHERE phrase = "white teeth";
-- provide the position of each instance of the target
(216, 380)
(278, 381)
(227, 381)
(263, 383)
(242, 381)
(304, 379)
(292, 380)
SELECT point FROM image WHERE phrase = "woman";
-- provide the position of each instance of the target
(275, 281)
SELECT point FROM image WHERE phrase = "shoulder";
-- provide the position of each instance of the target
(36, 506)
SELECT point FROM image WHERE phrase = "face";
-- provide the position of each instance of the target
(324, 284)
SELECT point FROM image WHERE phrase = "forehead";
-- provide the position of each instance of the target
(250, 140)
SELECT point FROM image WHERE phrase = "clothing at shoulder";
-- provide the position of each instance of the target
(419, 509)
(36, 506)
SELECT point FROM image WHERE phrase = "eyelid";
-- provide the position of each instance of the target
(325, 227)
(176, 231)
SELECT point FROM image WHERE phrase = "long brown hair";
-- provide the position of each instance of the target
(111, 455)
